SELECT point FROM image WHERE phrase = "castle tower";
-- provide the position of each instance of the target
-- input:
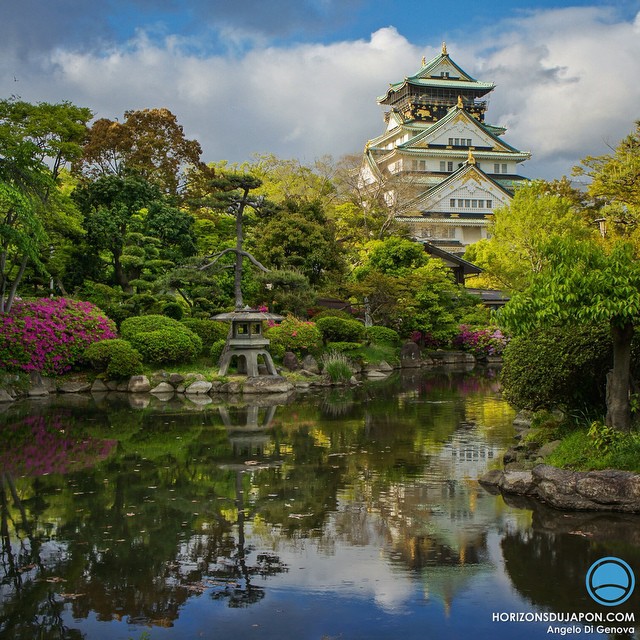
(441, 167)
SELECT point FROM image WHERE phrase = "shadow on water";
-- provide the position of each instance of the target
(121, 511)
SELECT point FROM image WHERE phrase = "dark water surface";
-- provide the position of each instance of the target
(341, 515)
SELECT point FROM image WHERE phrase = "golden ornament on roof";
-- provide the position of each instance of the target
(471, 158)
(444, 49)
(424, 61)
(460, 104)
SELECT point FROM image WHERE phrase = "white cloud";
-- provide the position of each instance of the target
(566, 86)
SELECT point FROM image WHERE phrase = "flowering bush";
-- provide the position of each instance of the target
(294, 335)
(426, 340)
(50, 335)
(480, 342)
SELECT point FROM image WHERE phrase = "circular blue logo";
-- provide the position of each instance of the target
(610, 581)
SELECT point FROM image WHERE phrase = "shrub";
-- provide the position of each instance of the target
(210, 331)
(173, 310)
(343, 347)
(294, 335)
(381, 335)
(480, 342)
(116, 357)
(50, 335)
(216, 350)
(160, 339)
(340, 329)
(558, 366)
(332, 313)
(164, 346)
(337, 366)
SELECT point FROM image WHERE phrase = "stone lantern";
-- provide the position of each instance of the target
(247, 342)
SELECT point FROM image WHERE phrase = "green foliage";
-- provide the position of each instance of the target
(210, 331)
(332, 313)
(514, 251)
(116, 357)
(161, 339)
(294, 335)
(337, 366)
(577, 451)
(173, 310)
(164, 346)
(344, 347)
(288, 291)
(340, 329)
(562, 365)
(216, 350)
(381, 335)
(605, 439)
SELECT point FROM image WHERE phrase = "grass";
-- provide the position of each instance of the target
(375, 353)
(578, 451)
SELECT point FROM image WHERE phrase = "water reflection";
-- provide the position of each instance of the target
(165, 514)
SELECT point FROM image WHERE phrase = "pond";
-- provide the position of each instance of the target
(346, 514)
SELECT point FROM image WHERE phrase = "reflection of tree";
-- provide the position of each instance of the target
(177, 508)
(548, 563)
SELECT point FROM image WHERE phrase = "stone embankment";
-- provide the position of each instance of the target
(302, 374)
(526, 474)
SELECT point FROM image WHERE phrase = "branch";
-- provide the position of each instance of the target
(246, 254)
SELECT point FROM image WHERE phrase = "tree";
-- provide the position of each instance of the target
(130, 221)
(615, 187)
(512, 254)
(299, 236)
(149, 142)
(231, 193)
(36, 142)
(584, 282)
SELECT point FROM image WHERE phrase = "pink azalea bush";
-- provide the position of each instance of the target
(480, 342)
(295, 335)
(49, 335)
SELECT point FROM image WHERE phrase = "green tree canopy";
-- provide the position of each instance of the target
(583, 282)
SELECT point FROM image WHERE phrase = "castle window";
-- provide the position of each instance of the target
(443, 165)
(489, 204)
(452, 202)
(449, 166)
(504, 168)
(496, 168)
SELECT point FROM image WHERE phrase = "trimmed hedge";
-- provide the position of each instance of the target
(216, 350)
(116, 357)
(340, 329)
(210, 331)
(562, 366)
(381, 335)
(160, 339)
(294, 335)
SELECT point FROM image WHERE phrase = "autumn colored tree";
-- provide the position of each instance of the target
(149, 143)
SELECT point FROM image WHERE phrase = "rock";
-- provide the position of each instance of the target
(385, 366)
(37, 388)
(111, 385)
(548, 448)
(201, 387)
(310, 364)
(199, 400)
(523, 419)
(175, 379)
(290, 361)
(4, 396)
(376, 374)
(518, 482)
(123, 387)
(410, 355)
(267, 384)
(74, 387)
(139, 384)
(233, 386)
(492, 478)
(99, 386)
(163, 387)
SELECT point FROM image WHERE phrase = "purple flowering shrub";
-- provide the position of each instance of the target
(49, 335)
(480, 342)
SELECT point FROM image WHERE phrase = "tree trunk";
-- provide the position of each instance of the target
(619, 379)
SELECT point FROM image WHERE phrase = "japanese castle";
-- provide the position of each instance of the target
(442, 169)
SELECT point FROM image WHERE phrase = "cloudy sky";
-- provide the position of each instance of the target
(299, 78)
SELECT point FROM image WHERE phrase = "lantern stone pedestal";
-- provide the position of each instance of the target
(247, 343)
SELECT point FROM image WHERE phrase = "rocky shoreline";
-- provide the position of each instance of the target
(526, 474)
(302, 375)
